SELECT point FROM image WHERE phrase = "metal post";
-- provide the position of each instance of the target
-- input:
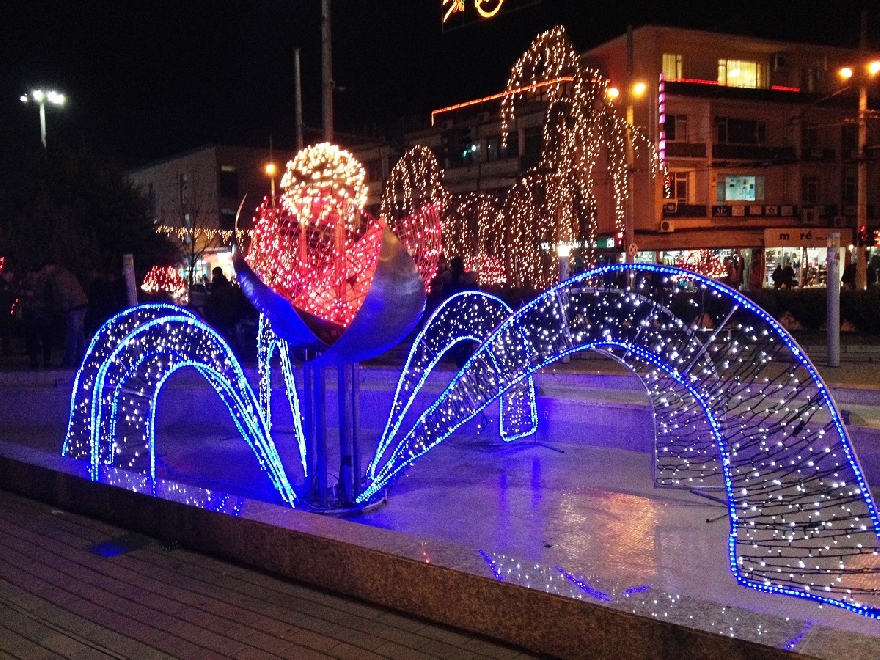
(131, 296)
(344, 488)
(299, 104)
(43, 123)
(326, 71)
(833, 304)
(309, 418)
(629, 228)
(862, 172)
(320, 418)
(355, 427)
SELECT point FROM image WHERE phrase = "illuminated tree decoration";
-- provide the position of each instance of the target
(555, 201)
(414, 201)
(164, 279)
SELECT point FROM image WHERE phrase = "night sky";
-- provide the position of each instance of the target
(150, 79)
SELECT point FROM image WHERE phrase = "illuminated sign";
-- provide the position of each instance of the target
(456, 13)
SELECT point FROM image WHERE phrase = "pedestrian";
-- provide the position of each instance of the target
(788, 276)
(33, 312)
(848, 279)
(69, 304)
(777, 276)
(8, 296)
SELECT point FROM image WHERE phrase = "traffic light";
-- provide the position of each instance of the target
(863, 234)
(620, 243)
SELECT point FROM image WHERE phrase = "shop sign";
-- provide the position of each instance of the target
(814, 237)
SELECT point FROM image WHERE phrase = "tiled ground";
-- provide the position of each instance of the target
(59, 598)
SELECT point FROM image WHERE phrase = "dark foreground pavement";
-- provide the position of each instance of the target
(61, 598)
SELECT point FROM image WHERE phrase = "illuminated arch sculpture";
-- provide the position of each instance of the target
(737, 405)
(735, 400)
(113, 405)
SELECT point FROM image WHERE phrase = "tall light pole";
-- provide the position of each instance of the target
(41, 98)
(326, 71)
(862, 72)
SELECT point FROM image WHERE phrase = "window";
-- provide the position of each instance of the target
(373, 168)
(183, 189)
(849, 140)
(740, 73)
(679, 187)
(850, 190)
(677, 128)
(494, 150)
(672, 66)
(809, 138)
(534, 139)
(228, 182)
(740, 188)
(810, 190)
(739, 131)
(151, 200)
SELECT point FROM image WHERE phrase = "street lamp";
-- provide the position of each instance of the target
(41, 98)
(862, 72)
(270, 172)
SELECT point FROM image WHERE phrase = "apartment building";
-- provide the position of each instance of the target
(760, 140)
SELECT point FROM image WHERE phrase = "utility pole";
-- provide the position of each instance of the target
(326, 71)
(629, 229)
(299, 103)
(862, 200)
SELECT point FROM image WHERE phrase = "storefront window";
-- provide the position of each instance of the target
(740, 188)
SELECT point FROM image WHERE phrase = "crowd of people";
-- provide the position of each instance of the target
(49, 309)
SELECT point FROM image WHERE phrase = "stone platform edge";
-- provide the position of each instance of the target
(383, 567)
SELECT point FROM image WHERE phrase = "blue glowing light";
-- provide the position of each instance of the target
(737, 407)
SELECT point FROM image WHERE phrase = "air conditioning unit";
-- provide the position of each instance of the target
(667, 226)
(841, 221)
(778, 61)
(809, 215)
(670, 208)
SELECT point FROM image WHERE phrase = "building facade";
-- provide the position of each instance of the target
(195, 196)
(760, 140)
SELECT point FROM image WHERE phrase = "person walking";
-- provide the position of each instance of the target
(69, 303)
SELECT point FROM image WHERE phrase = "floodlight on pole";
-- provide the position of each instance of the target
(41, 98)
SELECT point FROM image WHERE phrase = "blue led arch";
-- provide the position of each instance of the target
(737, 405)
(466, 316)
(113, 405)
(720, 372)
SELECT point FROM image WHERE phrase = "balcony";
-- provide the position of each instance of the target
(753, 152)
(685, 149)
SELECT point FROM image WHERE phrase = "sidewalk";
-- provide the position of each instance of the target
(73, 587)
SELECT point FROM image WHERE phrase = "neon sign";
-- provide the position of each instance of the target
(485, 8)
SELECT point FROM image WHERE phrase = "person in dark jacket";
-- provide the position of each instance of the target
(69, 304)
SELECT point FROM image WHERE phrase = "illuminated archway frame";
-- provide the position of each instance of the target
(803, 521)
(115, 392)
(810, 485)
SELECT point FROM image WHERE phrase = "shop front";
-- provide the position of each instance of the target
(802, 249)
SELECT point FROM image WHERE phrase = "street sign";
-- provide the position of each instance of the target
(632, 250)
